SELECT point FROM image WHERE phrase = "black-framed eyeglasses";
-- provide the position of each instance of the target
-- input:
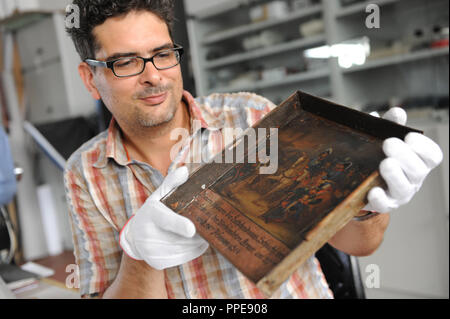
(131, 66)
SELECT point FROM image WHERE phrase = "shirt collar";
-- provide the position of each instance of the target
(114, 143)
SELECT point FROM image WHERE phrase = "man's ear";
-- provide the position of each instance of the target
(87, 75)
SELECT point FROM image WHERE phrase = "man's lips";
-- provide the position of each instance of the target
(154, 99)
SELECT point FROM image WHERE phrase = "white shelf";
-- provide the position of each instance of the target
(22, 19)
(399, 59)
(295, 78)
(223, 8)
(361, 7)
(259, 53)
(248, 28)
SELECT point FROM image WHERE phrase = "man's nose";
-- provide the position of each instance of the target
(151, 75)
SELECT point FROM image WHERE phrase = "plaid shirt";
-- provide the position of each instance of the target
(105, 188)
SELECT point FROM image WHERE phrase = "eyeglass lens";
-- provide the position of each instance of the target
(135, 65)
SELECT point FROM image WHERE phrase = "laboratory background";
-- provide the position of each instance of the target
(367, 55)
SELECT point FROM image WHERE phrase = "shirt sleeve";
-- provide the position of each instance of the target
(96, 242)
(242, 109)
(257, 107)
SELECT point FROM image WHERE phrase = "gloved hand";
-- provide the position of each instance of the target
(407, 165)
(157, 234)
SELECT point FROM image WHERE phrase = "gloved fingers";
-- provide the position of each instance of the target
(158, 247)
(127, 243)
(166, 219)
(412, 165)
(426, 148)
(166, 256)
(397, 115)
(174, 179)
(399, 187)
(379, 201)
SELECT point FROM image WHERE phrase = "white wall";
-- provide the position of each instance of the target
(414, 257)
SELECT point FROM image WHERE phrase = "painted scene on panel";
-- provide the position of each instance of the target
(319, 165)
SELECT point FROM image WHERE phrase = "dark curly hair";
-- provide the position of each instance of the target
(95, 12)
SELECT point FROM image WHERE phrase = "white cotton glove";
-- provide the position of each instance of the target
(160, 236)
(407, 165)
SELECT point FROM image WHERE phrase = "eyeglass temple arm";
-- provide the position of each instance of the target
(96, 63)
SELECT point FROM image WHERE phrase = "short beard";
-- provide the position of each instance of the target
(145, 121)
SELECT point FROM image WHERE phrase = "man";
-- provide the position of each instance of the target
(115, 181)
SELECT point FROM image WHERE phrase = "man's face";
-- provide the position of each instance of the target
(146, 100)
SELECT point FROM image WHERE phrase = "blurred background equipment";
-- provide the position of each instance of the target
(8, 188)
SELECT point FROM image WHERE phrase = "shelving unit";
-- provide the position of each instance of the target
(21, 20)
(205, 10)
(211, 30)
(289, 79)
(224, 27)
(400, 59)
(361, 7)
(249, 28)
(415, 70)
(260, 53)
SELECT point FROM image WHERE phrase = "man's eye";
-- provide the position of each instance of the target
(165, 54)
(125, 63)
